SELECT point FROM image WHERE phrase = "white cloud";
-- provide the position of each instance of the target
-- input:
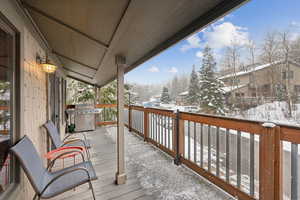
(153, 69)
(224, 34)
(295, 24)
(173, 70)
(193, 42)
(199, 54)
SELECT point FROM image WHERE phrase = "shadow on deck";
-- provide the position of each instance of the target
(151, 174)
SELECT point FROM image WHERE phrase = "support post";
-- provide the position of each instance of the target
(178, 130)
(270, 163)
(96, 90)
(120, 175)
(146, 125)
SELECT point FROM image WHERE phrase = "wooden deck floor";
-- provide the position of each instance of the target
(103, 156)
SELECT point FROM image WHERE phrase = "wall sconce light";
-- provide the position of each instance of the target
(45, 64)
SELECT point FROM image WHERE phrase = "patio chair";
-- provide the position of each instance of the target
(48, 184)
(57, 142)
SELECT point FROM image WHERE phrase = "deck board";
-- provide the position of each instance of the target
(104, 157)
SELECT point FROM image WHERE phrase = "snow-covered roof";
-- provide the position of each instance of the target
(153, 99)
(184, 93)
(133, 93)
(260, 67)
(232, 88)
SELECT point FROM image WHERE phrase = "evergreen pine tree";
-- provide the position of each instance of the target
(165, 97)
(193, 95)
(211, 93)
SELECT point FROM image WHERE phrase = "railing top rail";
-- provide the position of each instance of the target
(165, 110)
(135, 107)
(4, 132)
(3, 107)
(290, 134)
(105, 105)
(223, 122)
(227, 118)
(295, 127)
(96, 106)
(169, 113)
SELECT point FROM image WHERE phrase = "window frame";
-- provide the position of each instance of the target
(288, 75)
(297, 89)
(15, 103)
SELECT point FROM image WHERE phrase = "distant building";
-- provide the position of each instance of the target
(181, 98)
(154, 101)
(255, 81)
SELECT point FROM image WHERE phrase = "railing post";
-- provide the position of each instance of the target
(270, 163)
(179, 138)
(146, 124)
(129, 117)
(278, 165)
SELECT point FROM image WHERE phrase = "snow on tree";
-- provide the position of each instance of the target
(165, 97)
(211, 93)
(79, 92)
(193, 95)
(178, 84)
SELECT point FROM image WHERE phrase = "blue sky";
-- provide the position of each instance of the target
(249, 22)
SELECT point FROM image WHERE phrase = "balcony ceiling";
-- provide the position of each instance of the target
(86, 35)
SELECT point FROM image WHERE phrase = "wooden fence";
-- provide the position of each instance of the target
(108, 115)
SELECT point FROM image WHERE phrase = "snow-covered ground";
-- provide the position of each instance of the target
(161, 178)
(276, 112)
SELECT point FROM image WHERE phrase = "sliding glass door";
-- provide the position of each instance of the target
(7, 103)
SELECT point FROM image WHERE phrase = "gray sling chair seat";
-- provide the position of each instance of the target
(49, 184)
(57, 142)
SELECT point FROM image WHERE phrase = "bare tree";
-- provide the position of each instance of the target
(252, 51)
(225, 64)
(295, 50)
(177, 85)
(285, 50)
(251, 47)
(232, 61)
(270, 53)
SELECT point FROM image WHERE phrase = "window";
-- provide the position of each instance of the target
(297, 89)
(8, 106)
(289, 75)
(266, 87)
(235, 81)
(239, 94)
(251, 78)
